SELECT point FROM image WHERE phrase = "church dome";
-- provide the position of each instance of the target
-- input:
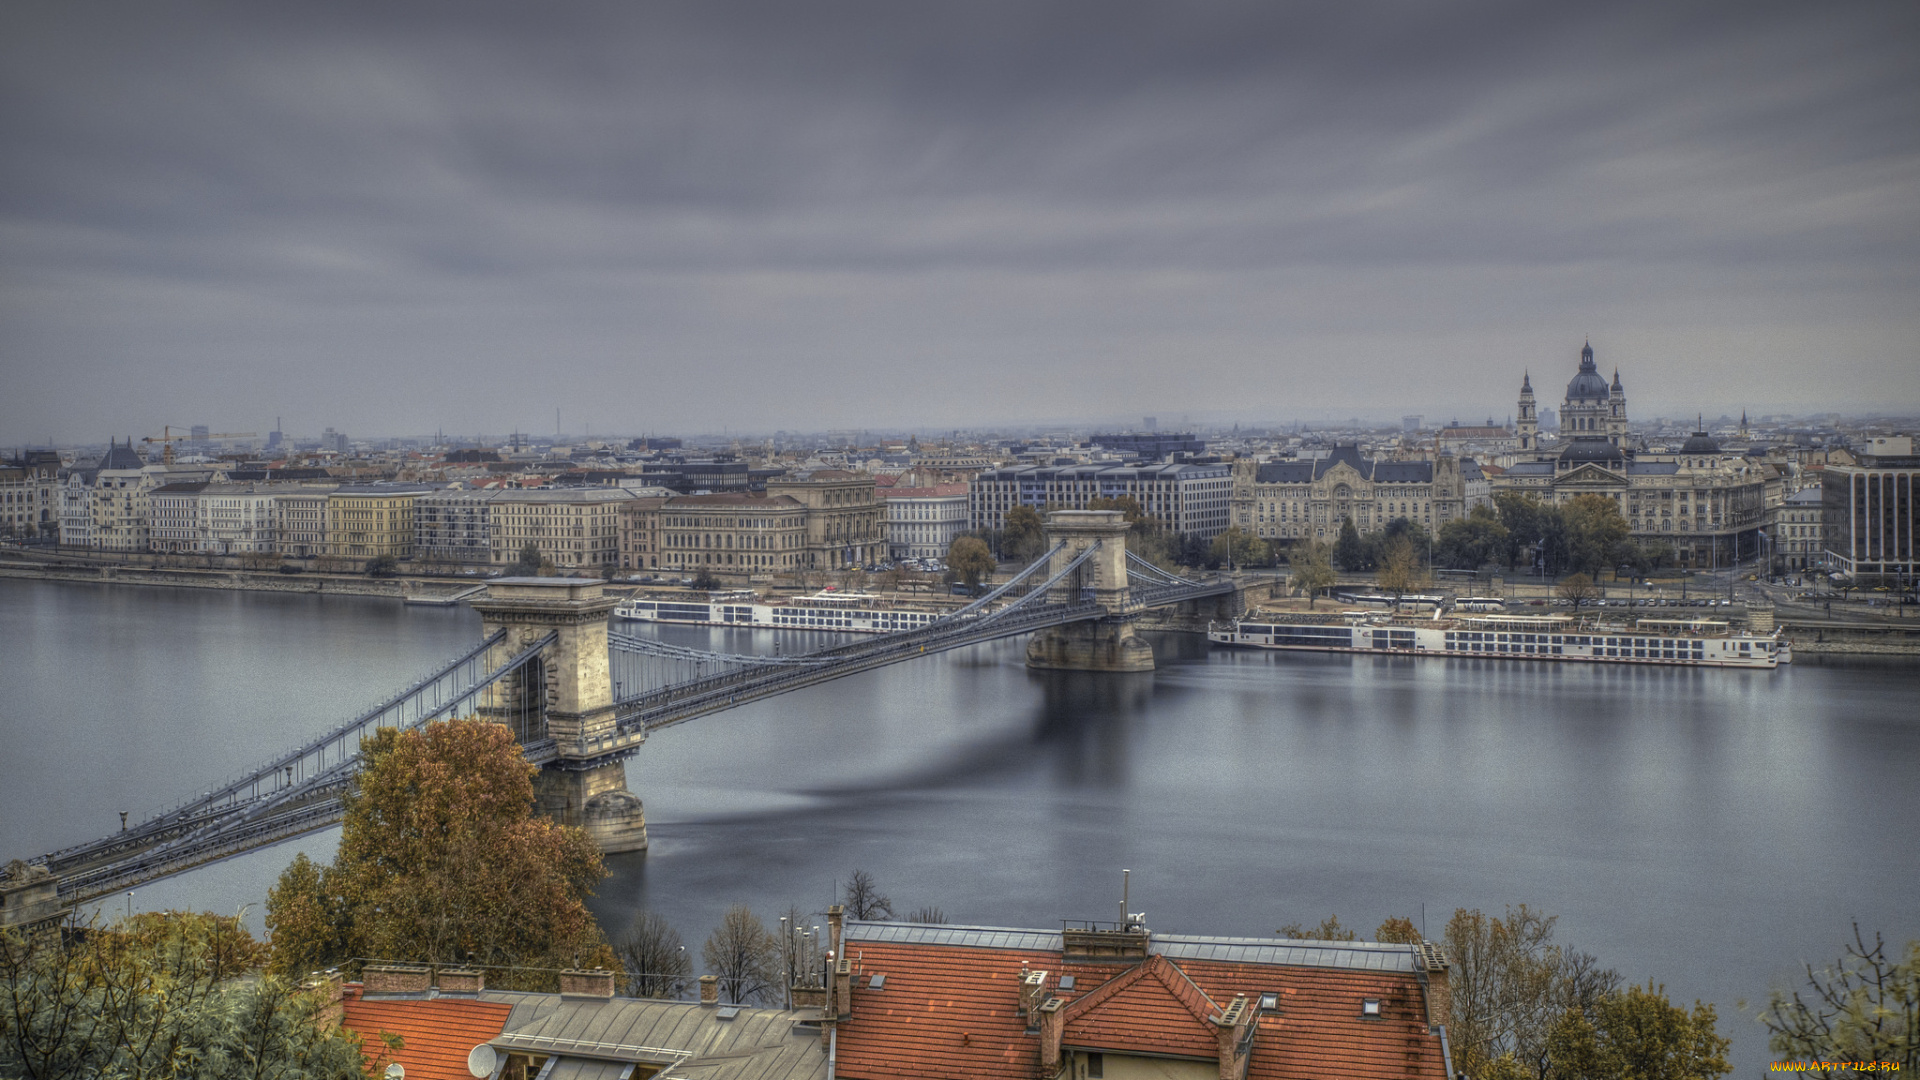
(1591, 448)
(1701, 443)
(1589, 384)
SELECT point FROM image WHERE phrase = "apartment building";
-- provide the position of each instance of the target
(1189, 497)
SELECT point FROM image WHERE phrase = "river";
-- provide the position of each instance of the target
(1706, 829)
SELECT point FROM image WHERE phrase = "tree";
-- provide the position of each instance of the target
(864, 900)
(1240, 547)
(1399, 931)
(1128, 506)
(1023, 537)
(383, 566)
(744, 955)
(1510, 984)
(1524, 518)
(1328, 930)
(1865, 1007)
(528, 564)
(1638, 1034)
(705, 580)
(968, 557)
(1401, 571)
(1597, 535)
(1312, 570)
(442, 861)
(1577, 589)
(174, 994)
(932, 915)
(854, 579)
(654, 957)
(1471, 542)
(1349, 552)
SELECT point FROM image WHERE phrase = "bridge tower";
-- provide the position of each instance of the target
(1105, 642)
(565, 695)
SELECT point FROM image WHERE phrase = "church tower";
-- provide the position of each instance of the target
(1617, 411)
(1527, 422)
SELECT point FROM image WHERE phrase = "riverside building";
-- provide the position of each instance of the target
(1291, 501)
(1869, 511)
(1189, 497)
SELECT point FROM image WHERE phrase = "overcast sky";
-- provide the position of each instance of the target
(396, 217)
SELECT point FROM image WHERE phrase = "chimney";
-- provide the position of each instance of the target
(329, 987)
(842, 988)
(1051, 1024)
(1033, 990)
(1439, 994)
(1234, 1029)
(597, 983)
(836, 918)
(396, 979)
(462, 981)
(709, 989)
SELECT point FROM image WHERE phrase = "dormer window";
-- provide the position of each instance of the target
(1370, 1007)
(1269, 1003)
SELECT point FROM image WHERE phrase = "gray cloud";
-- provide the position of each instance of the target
(395, 217)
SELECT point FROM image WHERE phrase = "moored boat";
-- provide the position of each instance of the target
(1698, 642)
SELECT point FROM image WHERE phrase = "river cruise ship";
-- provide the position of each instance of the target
(1700, 642)
(853, 612)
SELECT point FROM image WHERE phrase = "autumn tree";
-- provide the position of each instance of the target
(745, 956)
(1596, 534)
(442, 861)
(173, 994)
(1637, 1034)
(1240, 547)
(968, 557)
(1401, 571)
(1863, 1007)
(654, 957)
(1399, 931)
(1023, 537)
(1328, 930)
(864, 900)
(1312, 570)
(1510, 984)
(1577, 589)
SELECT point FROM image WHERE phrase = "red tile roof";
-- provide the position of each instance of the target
(951, 1011)
(436, 1035)
(1151, 1008)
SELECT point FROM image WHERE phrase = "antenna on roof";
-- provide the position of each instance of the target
(1126, 879)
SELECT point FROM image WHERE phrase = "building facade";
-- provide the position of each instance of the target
(1869, 511)
(454, 525)
(1798, 531)
(1706, 506)
(573, 528)
(30, 496)
(174, 518)
(1291, 501)
(844, 517)
(1189, 497)
(300, 521)
(368, 521)
(1591, 408)
(730, 534)
(922, 522)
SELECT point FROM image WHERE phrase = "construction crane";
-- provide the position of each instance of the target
(167, 438)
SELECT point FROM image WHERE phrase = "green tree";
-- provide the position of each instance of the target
(1638, 1034)
(1023, 537)
(745, 956)
(1349, 552)
(1596, 534)
(1471, 542)
(1523, 517)
(442, 861)
(174, 995)
(1312, 570)
(383, 566)
(968, 557)
(528, 564)
(1240, 547)
(1864, 1007)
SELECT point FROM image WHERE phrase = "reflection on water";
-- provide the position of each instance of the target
(1706, 828)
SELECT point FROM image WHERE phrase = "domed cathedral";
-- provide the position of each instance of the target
(1591, 409)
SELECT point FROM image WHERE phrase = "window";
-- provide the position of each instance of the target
(1370, 1007)
(1096, 1065)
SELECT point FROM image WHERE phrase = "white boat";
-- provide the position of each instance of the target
(851, 612)
(1691, 642)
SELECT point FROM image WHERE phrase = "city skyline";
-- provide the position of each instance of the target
(863, 216)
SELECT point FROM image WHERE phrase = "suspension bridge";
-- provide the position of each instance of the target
(548, 666)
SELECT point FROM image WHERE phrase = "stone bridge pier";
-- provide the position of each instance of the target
(1106, 642)
(565, 694)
